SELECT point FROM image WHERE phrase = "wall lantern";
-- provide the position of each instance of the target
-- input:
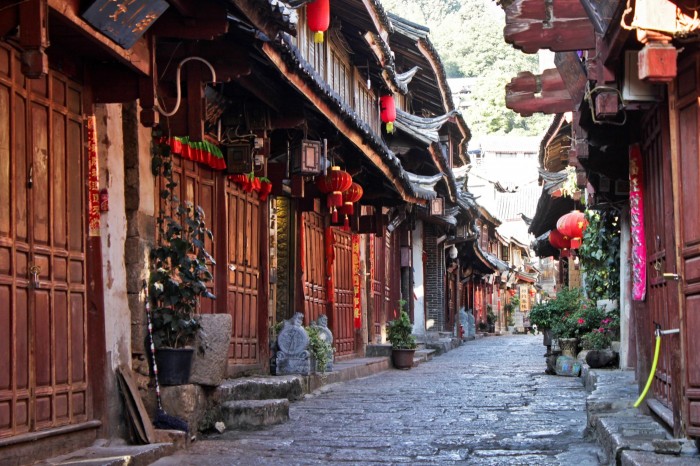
(350, 196)
(318, 16)
(334, 184)
(387, 108)
(572, 225)
(452, 252)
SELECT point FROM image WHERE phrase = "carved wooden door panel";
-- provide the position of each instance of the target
(688, 163)
(243, 268)
(378, 279)
(43, 310)
(315, 301)
(342, 321)
(662, 302)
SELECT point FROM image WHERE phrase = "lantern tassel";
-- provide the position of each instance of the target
(346, 224)
(334, 215)
(318, 37)
(390, 127)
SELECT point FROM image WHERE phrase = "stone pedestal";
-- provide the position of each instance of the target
(211, 350)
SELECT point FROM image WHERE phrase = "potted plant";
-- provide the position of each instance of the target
(403, 343)
(179, 274)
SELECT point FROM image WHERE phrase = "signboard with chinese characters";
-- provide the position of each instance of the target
(93, 179)
(356, 309)
(124, 21)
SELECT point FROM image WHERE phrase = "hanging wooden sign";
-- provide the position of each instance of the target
(124, 21)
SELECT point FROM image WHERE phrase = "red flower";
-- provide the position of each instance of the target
(581, 321)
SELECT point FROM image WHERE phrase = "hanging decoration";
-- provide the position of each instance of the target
(197, 151)
(318, 16)
(350, 196)
(387, 113)
(639, 246)
(93, 178)
(334, 184)
(560, 241)
(572, 226)
(330, 259)
(249, 183)
(356, 283)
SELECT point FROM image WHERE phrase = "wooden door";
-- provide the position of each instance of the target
(662, 294)
(43, 321)
(243, 268)
(450, 300)
(315, 301)
(342, 321)
(688, 190)
(392, 273)
(378, 285)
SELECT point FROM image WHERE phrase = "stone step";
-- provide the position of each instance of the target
(290, 387)
(252, 414)
(423, 355)
(105, 454)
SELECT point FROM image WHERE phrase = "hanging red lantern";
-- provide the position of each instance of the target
(558, 240)
(350, 196)
(572, 225)
(318, 16)
(532, 292)
(387, 108)
(334, 184)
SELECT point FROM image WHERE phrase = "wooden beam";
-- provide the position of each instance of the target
(545, 93)
(136, 58)
(207, 22)
(34, 38)
(336, 120)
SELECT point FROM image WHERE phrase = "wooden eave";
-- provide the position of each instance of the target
(295, 76)
(546, 93)
(563, 25)
(138, 58)
(412, 46)
(269, 17)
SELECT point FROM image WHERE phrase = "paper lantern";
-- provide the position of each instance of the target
(350, 196)
(334, 184)
(387, 108)
(318, 16)
(572, 225)
(558, 240)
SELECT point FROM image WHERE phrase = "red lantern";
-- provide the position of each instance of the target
(573, 225)
(318, 16)
(387, 108)
(558, 240)
(334, 184)
(532, 292)
(350, 196)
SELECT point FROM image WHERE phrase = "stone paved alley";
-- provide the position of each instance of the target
(487, 402)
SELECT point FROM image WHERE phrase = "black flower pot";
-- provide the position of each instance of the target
(402, 358)
(174, 365)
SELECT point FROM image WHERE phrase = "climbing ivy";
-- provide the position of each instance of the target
(600, 255)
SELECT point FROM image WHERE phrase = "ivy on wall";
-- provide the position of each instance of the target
(600, 254)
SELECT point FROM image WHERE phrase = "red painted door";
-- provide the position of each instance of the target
(243, 229)
(661, 300)
(43, 329)
(688, 164)
(314, 267)
(341, 321)
(378, 285)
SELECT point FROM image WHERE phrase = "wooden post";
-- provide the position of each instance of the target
(34, 37)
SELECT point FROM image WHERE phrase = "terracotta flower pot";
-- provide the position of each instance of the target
(402, 358)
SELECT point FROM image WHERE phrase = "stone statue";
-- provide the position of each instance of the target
(292, 343)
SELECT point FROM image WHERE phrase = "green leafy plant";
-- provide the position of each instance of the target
(179, 261)
(399, 331)
(602, 336)
(544, 314)
(320, 349)
(577, 315)
(600, 255)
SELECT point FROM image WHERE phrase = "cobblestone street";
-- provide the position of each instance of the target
(486, 403)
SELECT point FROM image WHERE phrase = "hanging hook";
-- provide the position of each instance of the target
(177, 84)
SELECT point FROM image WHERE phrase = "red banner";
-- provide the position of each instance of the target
(93, 179)
(356, 309)
(639, 247)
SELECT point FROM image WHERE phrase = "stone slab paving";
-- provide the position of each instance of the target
(487, 402)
